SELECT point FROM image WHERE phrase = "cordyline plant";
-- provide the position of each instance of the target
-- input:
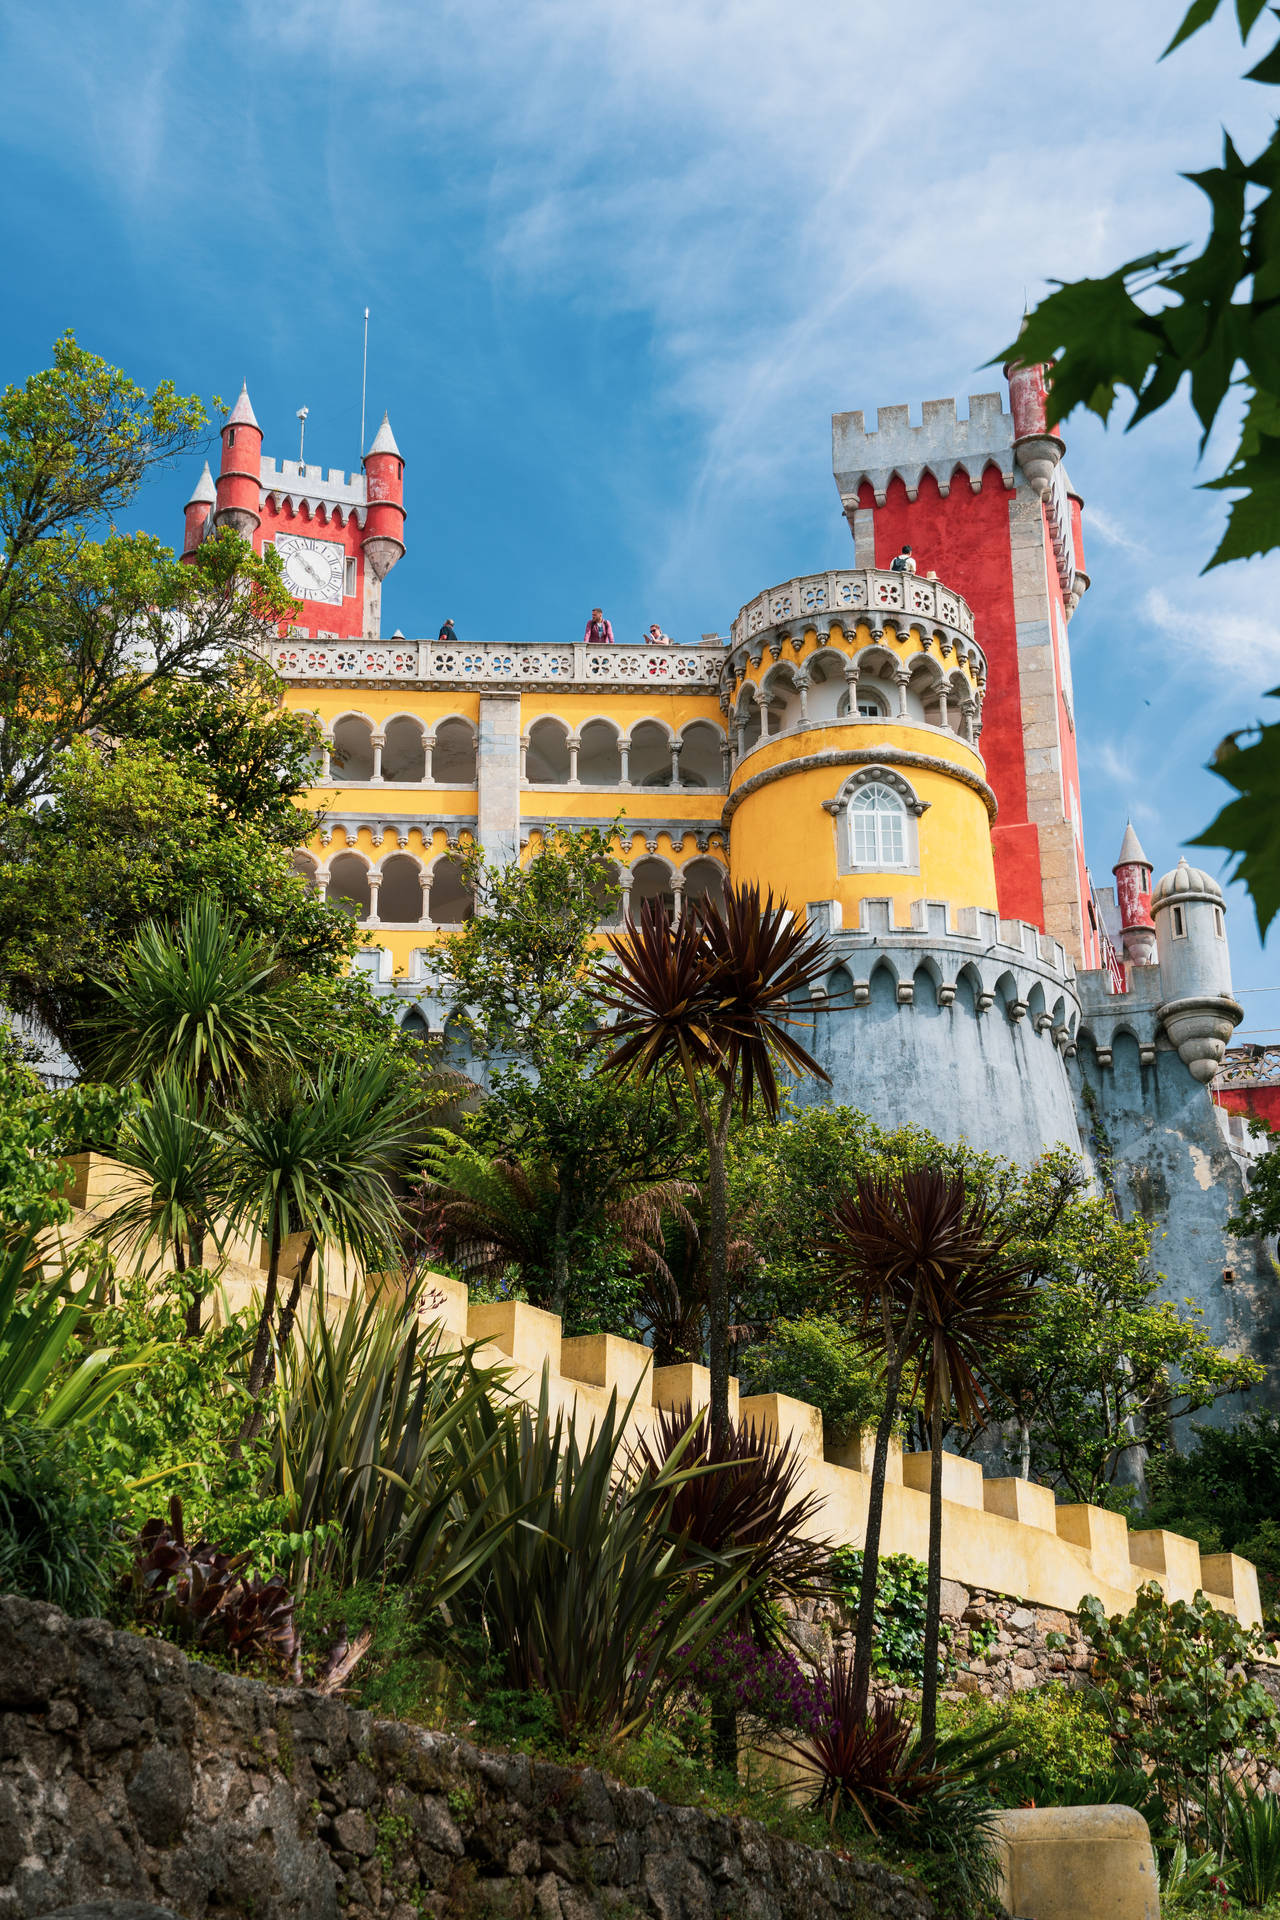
(934, 1282)
(200, 1594)
(709, 1000)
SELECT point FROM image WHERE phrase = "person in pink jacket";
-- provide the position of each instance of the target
(599, 631)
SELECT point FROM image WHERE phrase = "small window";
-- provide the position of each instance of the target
(870, 706)
(1218, 927)
(231, 437)
(877, 827)
(349, 584)
(1179, 924)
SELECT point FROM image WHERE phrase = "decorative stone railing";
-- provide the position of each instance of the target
(867, 590)
(519, 663)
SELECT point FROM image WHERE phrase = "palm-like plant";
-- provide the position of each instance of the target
(202, 999)
(968, 1307)
(39, 1319)
(892, 1243)
(316, 1154)
(380, 1435)
(179, 1161)
(709, 1000)
(669, 1251)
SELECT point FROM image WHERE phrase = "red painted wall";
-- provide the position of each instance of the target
(964, 539)
(1258, 1103)
(347, 619)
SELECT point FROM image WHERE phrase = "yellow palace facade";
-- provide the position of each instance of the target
(829, 750)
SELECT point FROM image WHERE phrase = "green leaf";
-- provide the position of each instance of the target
(1253, 525)
(1249, 827)
(1198, 15)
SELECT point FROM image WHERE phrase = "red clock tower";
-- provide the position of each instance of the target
(338, 535)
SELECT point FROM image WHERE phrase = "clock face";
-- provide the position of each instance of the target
(313, 569)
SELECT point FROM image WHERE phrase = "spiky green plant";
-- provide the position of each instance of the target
(710, 1001)
(203, 999)
(594, 1594)
(40, 1317)
(382, 1437)
(166, 1215)
(317, 1154)
(1251, 1830)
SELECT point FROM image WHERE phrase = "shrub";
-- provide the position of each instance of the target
(1173, 1680)
(768, 1685)
(815, 1358)
(1062, 1753)
(1226, 1493)
(1252, 1836)
(901, 1594)
(55, 1525)
(197, 1594)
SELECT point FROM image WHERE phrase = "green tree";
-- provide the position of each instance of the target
(1260, 1208)
(1214, 320)
(709, 1003)
(524, 974)
(131, 833)
(88, 625)
(1225, 1492)
(39, 1130)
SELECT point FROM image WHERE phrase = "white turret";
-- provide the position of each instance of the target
(1197, 1009)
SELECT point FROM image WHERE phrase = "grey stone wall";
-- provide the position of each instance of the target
(127, 1771)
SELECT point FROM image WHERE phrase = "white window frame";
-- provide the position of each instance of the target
(844, 817)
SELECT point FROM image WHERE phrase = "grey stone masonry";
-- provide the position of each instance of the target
(128, 1772)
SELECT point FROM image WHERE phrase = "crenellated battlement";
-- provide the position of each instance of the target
(291, 479)
(943, 444)
(1004, 1534)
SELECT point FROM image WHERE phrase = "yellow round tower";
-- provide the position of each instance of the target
(855, 733)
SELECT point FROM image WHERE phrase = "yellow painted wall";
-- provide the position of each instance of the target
(781, 837)
(628, 707)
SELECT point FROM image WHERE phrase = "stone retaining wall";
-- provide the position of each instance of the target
(128, 1771)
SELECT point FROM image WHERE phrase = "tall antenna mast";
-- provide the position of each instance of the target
(302, 434)
(364, 379)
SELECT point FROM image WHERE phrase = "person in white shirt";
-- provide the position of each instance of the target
(902, 562)
(655, 637)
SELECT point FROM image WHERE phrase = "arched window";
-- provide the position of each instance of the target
(877, 827)
(871, 705)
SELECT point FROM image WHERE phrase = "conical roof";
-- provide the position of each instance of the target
(242, 414)
(384, 441)
(1131, 854)
(205, 492)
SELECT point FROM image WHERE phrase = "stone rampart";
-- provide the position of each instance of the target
(128, 1771)
(1006, 1535)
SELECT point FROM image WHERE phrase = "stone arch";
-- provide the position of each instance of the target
(969, 990)
(701, 754)
(349, 883)
(651, 754)
(651, 879)
(1007, 993)
(352, 753)
(925, 983)
(449, 901)
(547, 759)
(611, 901)
(781, 699)
(599, 756)
(400, 895)
(704, 879)
(453, 759)
(828, 684)
(883, 985)
(305, 866)
(415, 1025)
(404, 755)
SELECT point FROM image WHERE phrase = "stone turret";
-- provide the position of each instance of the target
(1133, 898)
(384, 522)
(239, 478)
(1197, 1009)
(196, 511)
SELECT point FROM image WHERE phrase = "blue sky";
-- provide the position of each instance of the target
(624, 260)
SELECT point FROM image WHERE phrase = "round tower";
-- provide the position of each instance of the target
(196, 511)
(854, 736)
(239, 488)
(383, 542)
(1133, 897)
(1197, 1009)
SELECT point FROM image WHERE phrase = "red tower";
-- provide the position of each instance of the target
(337, 534)
(1133, 898)
(984, 503)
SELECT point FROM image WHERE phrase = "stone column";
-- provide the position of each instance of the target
(943, 716)
(740, 728)
(677, 893)
(676, 746)
(802, 686)
(524, 758)
(428, 759)
(969, 709)
(375, 882)
(624, 759)
(626, 880)
(326, 752)
(903, 679)
(574, 744)
(726, 762)
(379, 742)
(498, 776)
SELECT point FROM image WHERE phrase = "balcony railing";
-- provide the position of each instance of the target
(859, 590)
(518, 663)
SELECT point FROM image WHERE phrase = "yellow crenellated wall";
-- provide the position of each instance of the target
(1007, 1535)
(782, 836)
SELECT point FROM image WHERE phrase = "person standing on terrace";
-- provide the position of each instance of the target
(599, 631)
(655, 637)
